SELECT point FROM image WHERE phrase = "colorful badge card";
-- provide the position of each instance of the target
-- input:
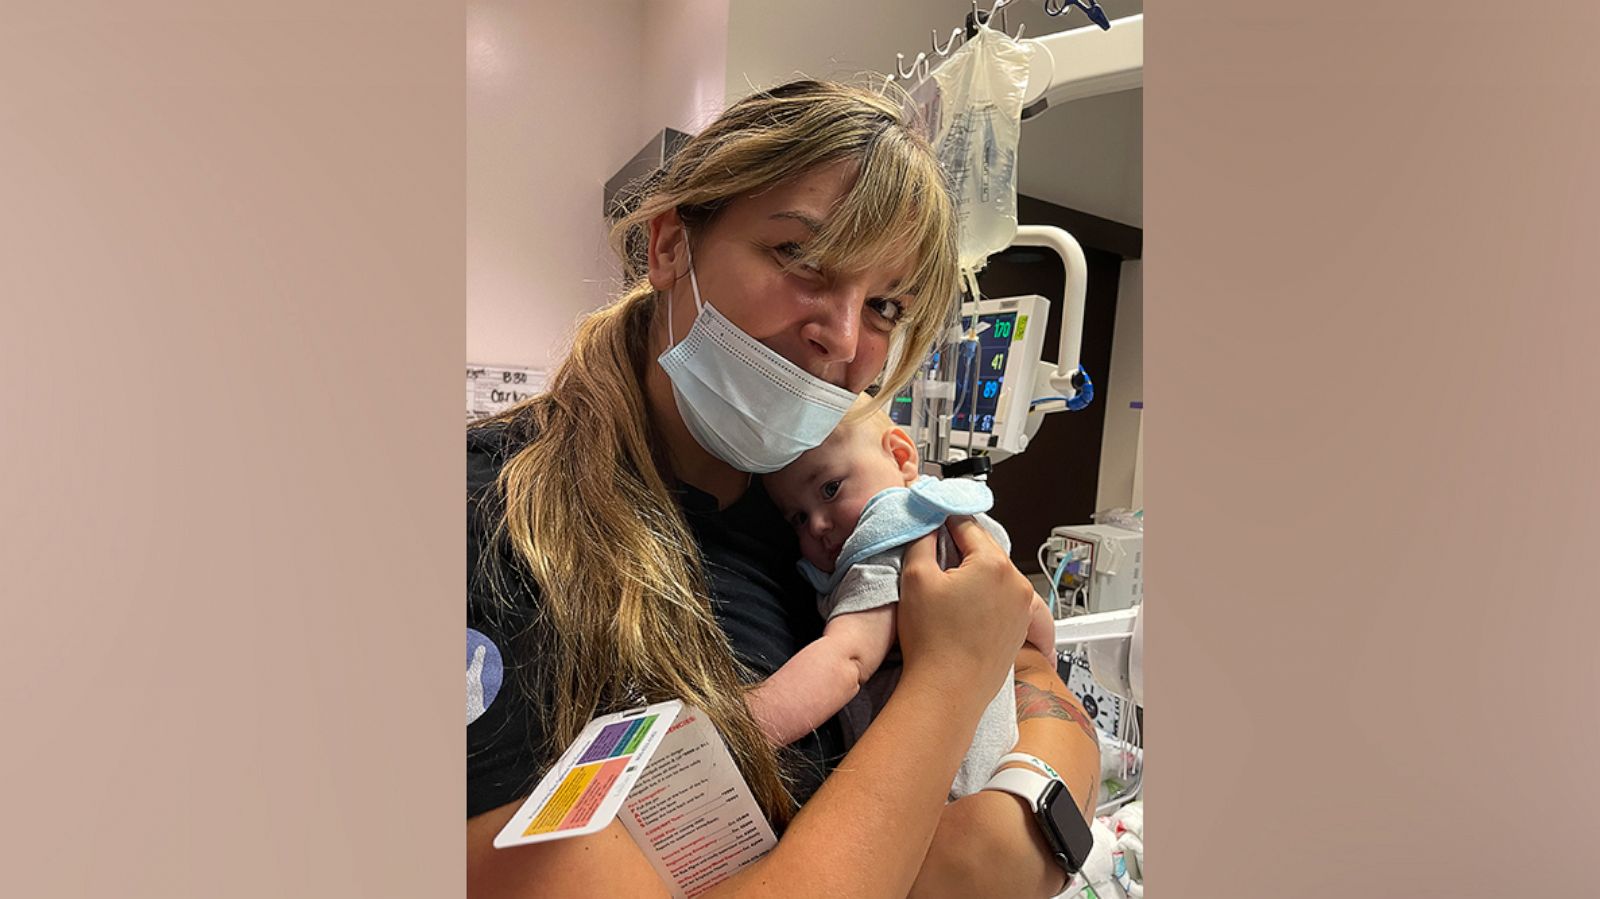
(680, 794)
(582, 793)
(692, 813)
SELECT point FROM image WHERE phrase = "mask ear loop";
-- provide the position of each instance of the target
(693, 283)
(671, 340)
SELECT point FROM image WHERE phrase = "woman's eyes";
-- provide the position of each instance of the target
(792, 251)
(831, 489)
(887, 310)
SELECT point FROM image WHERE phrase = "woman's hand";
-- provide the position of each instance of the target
(1041, 628)
(965, 624)
(1030, 660)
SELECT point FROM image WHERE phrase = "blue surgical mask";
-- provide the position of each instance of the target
(743, 402)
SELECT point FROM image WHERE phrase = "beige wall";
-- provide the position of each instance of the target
(550, 115)
(686, 61)
(826, 38)
(558, 100)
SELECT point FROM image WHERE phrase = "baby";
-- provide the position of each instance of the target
(856, 502)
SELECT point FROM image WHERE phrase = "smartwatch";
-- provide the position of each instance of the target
(1063, 827)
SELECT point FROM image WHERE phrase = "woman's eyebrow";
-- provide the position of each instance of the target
(800, 217)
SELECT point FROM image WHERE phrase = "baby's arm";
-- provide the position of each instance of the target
(814, 685)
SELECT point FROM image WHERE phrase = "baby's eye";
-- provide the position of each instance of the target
(797, 520)
(831, 489)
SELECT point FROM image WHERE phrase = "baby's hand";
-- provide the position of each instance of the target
(1042, 628)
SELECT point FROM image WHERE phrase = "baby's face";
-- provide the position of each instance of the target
(821, 494)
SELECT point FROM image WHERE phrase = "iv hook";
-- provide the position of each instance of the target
(899, 58)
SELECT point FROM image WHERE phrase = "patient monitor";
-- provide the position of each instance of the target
(985, 389)
(992, 402)
(993, 375)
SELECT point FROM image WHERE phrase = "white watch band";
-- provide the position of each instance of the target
(1029, 786)
(1031, 760)
(1021, 782)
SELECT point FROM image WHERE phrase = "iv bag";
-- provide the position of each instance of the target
(979, 106)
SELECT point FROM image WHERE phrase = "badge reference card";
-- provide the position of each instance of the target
(679, 793)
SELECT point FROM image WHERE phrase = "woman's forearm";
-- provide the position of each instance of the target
(988, 844)
(1053, 726)
(875, 816)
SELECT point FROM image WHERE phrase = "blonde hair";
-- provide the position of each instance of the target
(865, 419)
(867, 410)
(624, 610)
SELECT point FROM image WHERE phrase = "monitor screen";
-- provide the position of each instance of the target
(900, 408)
(994, 346)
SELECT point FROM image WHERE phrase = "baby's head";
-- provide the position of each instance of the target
(822, 493)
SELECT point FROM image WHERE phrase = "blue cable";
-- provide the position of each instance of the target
(1084, 397)
(1085, 392)
(1055, 582)
(1091, 8)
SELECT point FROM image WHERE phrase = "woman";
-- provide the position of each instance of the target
(620, 550)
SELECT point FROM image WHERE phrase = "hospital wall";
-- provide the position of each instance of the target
(555, 105)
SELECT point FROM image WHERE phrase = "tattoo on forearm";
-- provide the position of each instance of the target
(1032, 702)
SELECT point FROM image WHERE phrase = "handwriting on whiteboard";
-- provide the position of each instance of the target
(495, 388)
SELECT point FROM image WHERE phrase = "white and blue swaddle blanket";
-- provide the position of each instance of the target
(867, 576)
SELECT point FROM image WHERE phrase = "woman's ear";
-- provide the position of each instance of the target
(897, 443)
(667, 259)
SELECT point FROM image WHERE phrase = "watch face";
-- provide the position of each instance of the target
(1072, 833)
